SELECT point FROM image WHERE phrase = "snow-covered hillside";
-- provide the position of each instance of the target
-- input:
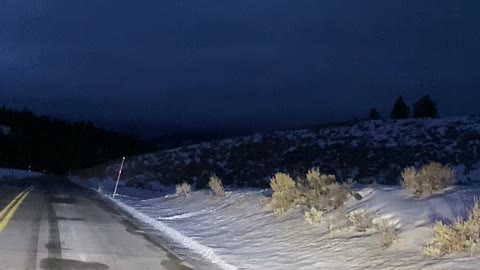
(365, 151)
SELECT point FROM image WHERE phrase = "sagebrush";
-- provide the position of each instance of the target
(216, 186)
(361, 221)
(322, 191)
(313, 216)
(461, 236)
(319, 191)
(284, 194)
(183, 189)
(386, 233)
(428, 179)
(319, 182)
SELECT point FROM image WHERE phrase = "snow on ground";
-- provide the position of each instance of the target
(237, 233)
(14, 174)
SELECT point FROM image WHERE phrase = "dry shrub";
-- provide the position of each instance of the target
(313, 216)
(431, 251)
(461, 236)
(386, 233)
(284, 194)
(216, 186)
(318, 182)
(338, 220)
(360, 220)
(183, 189)
(281, 181)
(319, 191)
(428, 179)
(322, 191)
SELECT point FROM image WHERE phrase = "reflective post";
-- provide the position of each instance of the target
(118, 178)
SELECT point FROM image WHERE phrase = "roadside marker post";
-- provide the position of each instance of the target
(118, 178)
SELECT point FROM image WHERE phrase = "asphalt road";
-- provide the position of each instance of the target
(56, 225)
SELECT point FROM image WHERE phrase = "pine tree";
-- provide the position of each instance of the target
(400, 109)
(374, 114)
(425, 108)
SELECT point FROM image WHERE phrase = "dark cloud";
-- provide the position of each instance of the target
(224, 64)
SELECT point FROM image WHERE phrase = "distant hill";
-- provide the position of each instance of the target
(363, 150)
(58, 146)
(179, 139)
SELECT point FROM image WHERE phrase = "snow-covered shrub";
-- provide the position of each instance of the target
(313, 216)
(386, 233)
(428, 179)
(461, 236)
(216, 186)
(325, 198)
(183, 189)
(360, 220)
(284, 192)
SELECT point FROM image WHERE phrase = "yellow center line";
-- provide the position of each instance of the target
(7, 212)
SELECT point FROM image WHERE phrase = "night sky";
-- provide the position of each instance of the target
(222, 64)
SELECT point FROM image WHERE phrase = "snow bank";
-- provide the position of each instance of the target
(237, 233)
(174, 235)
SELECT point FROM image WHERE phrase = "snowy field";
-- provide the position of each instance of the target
(236, 232)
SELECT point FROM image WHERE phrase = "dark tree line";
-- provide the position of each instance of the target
(400, 109)
(425, 107)
(58, 146)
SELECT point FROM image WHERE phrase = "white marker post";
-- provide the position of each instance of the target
(118, 178)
